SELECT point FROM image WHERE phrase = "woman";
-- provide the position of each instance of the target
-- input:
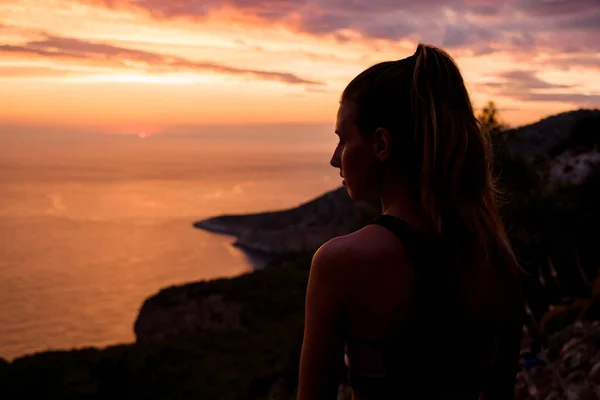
(426, 300)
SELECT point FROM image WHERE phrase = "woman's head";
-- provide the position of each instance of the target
(411, 122)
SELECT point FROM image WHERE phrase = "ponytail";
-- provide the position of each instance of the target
(451, 155)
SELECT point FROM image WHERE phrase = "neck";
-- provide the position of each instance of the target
(399, 201)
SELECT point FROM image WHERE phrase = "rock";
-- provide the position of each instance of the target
(554, 395)
(566, 142)
(544, 138)
(572, 369)
(594, 374)
(581, 392)
(567, 346)
(576, 377)
(521, 392)
(570, 360)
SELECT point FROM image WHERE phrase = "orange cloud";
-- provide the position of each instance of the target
(69, 48)
(32, 72)
(199, 61)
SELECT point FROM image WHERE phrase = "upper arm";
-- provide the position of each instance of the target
(323, 345)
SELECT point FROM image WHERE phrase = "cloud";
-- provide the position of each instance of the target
(7, 48)
(526, 86)
(523, 81)
(528, 80)
(478, 25)
(32, 72)
(69, 48)
(592, 100)
(542, 8)
(458, 35)
(589, 61)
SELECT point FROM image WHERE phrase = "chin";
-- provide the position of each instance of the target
(361, 193)
(356, 194)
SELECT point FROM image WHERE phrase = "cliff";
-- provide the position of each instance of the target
(297, 230)
(243, 304)
(565, 146)
(226, 339)
(563, 149)
(259, 359)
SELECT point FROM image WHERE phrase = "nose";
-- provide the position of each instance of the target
(336, 159)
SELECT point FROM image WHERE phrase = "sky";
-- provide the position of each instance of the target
(131, 66)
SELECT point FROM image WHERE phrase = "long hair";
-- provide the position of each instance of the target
(440, 146)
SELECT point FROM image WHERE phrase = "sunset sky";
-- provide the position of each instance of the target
(151, 64)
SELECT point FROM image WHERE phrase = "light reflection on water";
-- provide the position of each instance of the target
(88, 232)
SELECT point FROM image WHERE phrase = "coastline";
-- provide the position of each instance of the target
(227, 333)
(295, 230)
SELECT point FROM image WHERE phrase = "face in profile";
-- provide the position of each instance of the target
(356, 157)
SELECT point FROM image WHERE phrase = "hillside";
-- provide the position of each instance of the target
(240, 338)
(561, 150)
(297, 230)
(566, 145)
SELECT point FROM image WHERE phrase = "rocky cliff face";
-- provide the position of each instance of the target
(213, 306)
(297, 230)
(566, 145)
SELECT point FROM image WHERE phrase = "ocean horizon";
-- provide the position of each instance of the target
(91, 227)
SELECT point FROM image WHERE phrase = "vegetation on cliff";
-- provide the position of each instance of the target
(237, 363)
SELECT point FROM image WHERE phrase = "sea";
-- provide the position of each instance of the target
(92, 224)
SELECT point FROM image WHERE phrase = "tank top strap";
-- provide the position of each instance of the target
(396, 225)
(430, 254)
(417, 243)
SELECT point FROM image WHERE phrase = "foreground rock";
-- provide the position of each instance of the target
(568, 368)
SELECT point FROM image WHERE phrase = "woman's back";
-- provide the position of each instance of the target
(434, 315)
(412, 323)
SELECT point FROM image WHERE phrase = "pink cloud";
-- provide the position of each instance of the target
(551, 24)
(70, 48)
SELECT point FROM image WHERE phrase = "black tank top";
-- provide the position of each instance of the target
(438, 353)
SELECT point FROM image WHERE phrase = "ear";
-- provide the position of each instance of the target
(382, 144)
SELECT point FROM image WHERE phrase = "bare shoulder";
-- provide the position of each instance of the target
(368, 267)
(350, 253)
